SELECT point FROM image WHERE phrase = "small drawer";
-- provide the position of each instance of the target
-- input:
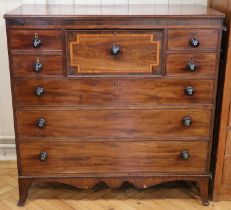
(193, 39)
(113, 92)
(34, 66)
(36, 39)
(114, 123)
(191, 64)
(114, 52)
(67, 157)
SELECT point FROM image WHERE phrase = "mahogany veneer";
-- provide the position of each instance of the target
(114, 94)
(112, 91)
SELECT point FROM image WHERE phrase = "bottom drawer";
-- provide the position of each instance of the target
(65, 157)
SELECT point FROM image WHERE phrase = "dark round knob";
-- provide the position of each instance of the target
(115, 50)
(36, 43)
(39, 91)
(189, 91)
(194, 42)
(41, 122)
(187, 121)
(43, 156)
(191, 66)
(184, 155)
(37, 67)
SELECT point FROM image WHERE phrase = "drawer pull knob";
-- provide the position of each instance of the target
(194, 42)
(43, 156)
(184, 155)
(187, 121)
(36, 43)
(115, 50)
(37, 66)
(191, 66)
(41, 122)
(189, 91)
(39, 91)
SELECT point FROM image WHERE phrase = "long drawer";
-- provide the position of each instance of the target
(106, 92)
(65, 157)
(115, 123)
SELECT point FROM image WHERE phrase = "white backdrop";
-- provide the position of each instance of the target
(6, 117)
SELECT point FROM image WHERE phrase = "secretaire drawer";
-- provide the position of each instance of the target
(113, 123)
(112, 91)
(113, 52)
(191, 64)
(37, 65)
(193, 39)
(63, 157)
(36, 39)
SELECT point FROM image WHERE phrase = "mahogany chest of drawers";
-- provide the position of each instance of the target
(114, 94)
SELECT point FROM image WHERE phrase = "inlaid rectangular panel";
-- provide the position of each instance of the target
(113, 52)
(113, 123)
(113, 157)
(112, 92)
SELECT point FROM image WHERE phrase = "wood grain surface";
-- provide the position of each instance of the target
(176, 64)
(112, 92)
(178, 39)
(117, 157)
(115, 123)
(89, 52)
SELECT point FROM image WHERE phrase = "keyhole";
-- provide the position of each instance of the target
(194, 34)
(114, 114)
(114, 145)
(114, 84)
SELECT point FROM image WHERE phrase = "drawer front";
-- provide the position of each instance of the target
(96, 92)
(24, 39)
(191, 64)
(109, 52)
(34, 66)
(113, 157)
(182, 39)
(115, 123)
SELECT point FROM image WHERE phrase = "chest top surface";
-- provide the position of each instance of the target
(113, 11)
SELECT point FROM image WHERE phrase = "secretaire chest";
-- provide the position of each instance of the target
(114, 95)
